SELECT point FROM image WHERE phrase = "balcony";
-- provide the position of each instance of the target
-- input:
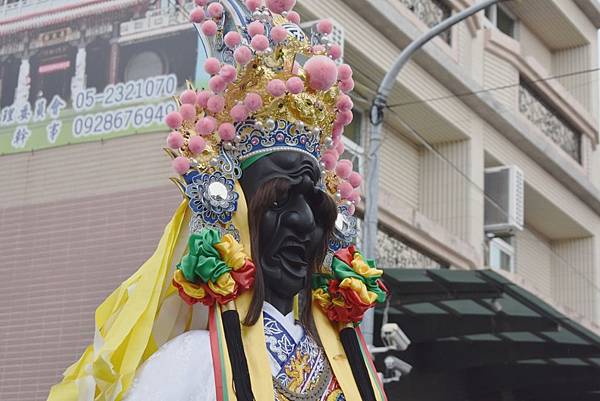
(552, 125)
(430, 12)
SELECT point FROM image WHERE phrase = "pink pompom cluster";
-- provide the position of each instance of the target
(208, 16)
(207, 116)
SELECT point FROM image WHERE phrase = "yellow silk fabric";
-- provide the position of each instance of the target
(124, 326)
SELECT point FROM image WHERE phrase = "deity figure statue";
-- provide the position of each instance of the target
(256, 289)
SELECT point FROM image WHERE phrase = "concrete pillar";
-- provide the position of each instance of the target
(113, 63)
(78, 82)
(23, 83)
(576, 277)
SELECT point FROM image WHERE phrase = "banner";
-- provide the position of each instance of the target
(47, 107)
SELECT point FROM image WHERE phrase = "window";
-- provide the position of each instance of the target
(501, 254)
(503, 20)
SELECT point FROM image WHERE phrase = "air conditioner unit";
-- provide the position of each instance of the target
(337, 35)
(504, 200)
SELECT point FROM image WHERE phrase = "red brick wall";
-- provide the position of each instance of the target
(60, 259)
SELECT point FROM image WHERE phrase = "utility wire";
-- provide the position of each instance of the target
(497, 88)
(430, 147)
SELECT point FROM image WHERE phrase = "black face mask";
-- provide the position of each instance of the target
(292, 231)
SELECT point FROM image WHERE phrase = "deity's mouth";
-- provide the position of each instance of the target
(293, 258)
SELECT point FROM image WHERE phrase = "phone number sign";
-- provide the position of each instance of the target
(122, 109)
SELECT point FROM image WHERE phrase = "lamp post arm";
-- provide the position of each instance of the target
(374, 139)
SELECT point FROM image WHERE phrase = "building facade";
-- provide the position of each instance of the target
(84, 184)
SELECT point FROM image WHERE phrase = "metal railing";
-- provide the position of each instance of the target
(431, 12)
(549, 122)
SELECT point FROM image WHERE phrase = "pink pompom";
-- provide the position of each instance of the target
(259, 43)
(345, 189)
(252, 4)
(188, 112)
(325, 27)
(212, 65)
(216, 104)
(242, 55)
(329, 161)
(355, 179)
(209, 28)
(337, 131)
(339, 146)
(344, 72)
(279, 6)
(197, 15)
(256, 28)
(344, 117)
(322, 72)
(228, 73)
(201, 3)
(294, 17)
(181, 165)
(197, 145)
(344, 103)
(239, 112)
(174, 119)
(175, 140)
(217, 84)
(253, 102)
(295, 85)
(202, 99)
(335, 52)
(226, 132)
(318, 49)
(232, 39)
(206, 126)
(346, 85)
(276, 87)
(278, 34)
(354, 197)
(215, 10)
(333, 153)
(344, 169)
(188, 97)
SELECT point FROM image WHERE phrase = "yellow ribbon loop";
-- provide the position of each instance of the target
(360, 289)
(232, 252)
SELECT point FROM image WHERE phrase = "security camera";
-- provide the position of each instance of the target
(397, 365)
(393, 337)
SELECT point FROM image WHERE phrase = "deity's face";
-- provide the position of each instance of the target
(296, 219)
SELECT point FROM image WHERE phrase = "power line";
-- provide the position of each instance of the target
(497, 88)
(469, 181)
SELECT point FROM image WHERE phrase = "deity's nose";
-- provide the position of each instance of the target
(300, 216)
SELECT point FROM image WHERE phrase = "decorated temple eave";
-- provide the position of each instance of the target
(64, 14)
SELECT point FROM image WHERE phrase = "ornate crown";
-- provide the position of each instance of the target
(272, 88)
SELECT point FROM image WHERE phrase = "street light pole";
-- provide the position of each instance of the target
(374, 141)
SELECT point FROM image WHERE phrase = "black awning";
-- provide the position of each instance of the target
(479, 336)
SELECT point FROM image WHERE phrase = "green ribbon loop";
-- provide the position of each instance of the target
(203, 262)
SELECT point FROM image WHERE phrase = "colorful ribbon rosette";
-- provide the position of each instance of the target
(215, 269)
(353, 286)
